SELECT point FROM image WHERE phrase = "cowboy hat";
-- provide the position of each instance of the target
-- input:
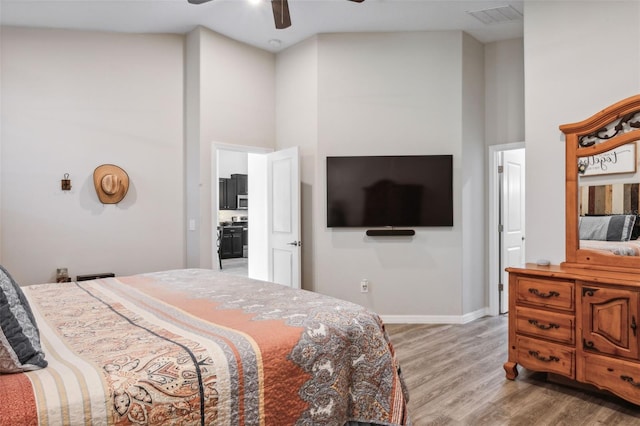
(111, 182)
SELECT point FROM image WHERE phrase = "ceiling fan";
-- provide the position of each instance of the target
(280, 11)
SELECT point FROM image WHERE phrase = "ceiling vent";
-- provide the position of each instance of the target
(497, 15)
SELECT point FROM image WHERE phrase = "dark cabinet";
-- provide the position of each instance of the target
(230, 189)
(236, 244)
(231, 242)
(228, 194)
(241, 183)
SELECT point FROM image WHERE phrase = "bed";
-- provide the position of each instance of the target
(613, 234)
(195, 347)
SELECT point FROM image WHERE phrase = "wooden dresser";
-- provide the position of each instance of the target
(580, 320)
(578, 323)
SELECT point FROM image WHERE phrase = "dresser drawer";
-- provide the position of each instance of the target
(549, 325)
(548, 292)
(539, 355)
(618, 376)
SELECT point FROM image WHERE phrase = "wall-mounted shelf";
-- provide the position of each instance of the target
(390, 232)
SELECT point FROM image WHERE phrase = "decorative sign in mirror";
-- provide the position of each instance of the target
(618, 160)
(603, 188)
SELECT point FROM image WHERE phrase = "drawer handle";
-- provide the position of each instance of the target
(537, 356)
(589, 345)
(544, 295)
(633, 325)
(542, 326)
(630, 380)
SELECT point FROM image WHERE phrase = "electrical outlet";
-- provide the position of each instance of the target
(364, 286)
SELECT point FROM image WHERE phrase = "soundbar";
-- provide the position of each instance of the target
(390, 232)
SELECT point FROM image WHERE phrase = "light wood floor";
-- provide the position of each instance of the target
(455, 377)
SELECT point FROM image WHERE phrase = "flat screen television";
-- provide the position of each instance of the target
(390, 191)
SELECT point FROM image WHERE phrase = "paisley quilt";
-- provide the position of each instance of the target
(199, 347)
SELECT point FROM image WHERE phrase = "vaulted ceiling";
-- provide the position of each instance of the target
(252, 22)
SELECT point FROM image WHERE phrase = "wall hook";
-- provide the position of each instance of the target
(66, 183)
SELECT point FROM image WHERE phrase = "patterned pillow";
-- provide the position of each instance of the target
(19, 336)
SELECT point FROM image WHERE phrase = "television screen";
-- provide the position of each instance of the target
(371, 191)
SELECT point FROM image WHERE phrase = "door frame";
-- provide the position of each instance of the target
(494, 222)
(215, 146)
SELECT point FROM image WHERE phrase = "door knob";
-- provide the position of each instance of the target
(295, 243)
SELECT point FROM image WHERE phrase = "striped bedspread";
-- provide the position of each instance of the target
(194, 347)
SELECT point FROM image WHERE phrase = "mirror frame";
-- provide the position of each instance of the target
(594, 127)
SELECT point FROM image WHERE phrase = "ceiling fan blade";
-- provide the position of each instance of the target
(281, 13)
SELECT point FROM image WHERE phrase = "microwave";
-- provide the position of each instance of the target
(243, 202)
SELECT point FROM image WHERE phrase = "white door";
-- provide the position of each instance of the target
(283, 192)
(512, 215)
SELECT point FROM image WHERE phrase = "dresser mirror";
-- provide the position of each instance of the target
(603, 188)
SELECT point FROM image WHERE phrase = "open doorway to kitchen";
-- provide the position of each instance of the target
(269, 249)
(230, 198)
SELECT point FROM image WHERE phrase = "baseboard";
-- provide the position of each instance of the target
(435, 319)
(472, 316)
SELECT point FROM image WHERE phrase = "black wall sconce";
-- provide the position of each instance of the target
(66, 183)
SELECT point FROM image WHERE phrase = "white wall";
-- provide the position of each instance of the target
(231, 162)
(71, 101)
(386, 94)
(474, 192)
(232, 93)
(192, 114)
(396, 93)
(580, 57)
(504, 124)
(341, 94)
(297, 125)
(504, 88)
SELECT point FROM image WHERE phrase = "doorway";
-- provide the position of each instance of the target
(271, 249)
(506, 219)
(230, 209)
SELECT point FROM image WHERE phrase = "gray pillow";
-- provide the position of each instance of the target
(617, 227)
(20, 348)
